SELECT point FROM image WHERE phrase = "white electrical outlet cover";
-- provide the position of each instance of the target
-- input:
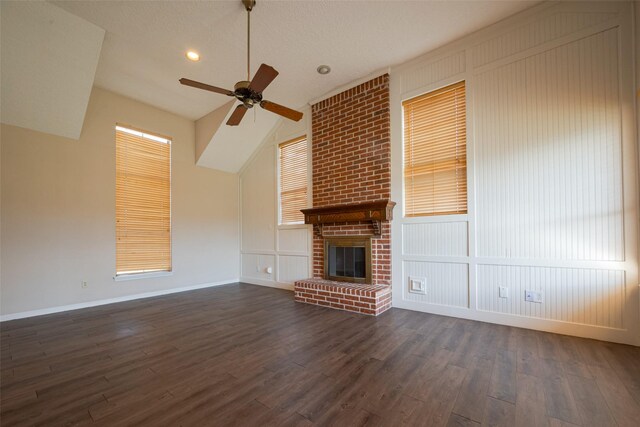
(537, 297)
(417, 285)
(533, 296)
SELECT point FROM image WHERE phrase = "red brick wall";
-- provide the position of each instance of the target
(351, 151)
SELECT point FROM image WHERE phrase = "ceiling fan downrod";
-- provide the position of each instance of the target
(249, 92)
(249, 4)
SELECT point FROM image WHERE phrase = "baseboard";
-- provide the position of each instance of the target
(59, 309)
(268, 283)
(621, 336)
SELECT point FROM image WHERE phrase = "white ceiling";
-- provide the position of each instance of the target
(143, 52)
(49, 60)
(142, 55)
(230, 146)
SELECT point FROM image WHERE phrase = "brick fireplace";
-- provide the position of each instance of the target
(351, 153)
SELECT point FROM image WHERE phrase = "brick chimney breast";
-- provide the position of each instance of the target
(351, 152)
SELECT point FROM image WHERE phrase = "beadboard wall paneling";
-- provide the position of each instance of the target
(548, 154)
(294, 240)
(254, 266)
(292, 268)
(426, 74)
(537, 32)
(553, 194)
(435, 239)
(584, 296)
(446, 283)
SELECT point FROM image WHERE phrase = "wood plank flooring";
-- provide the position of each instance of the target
(246, 355)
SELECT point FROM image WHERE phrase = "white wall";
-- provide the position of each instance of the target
(553, 190)
(58, 213)
(265, 243)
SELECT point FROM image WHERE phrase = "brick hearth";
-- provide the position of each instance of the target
(360, 298)
(351, 157)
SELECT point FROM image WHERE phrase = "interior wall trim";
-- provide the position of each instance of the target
(621, 336)
(268, 283)
(70, 307)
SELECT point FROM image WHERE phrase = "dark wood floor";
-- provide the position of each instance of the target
(247, 355)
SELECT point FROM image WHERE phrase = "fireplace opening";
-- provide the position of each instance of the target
(348, 259)
(347, 262)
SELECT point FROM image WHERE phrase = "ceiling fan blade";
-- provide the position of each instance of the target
(281, 110)
(204, 86)
(263, 78)
(237, 115)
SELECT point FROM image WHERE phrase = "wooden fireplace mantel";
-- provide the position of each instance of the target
(376, 212)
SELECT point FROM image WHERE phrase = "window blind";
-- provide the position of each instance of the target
(293, 180)
(435, 152)
(143, 202)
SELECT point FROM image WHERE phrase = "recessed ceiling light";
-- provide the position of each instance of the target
(323, 69)
(193, 56)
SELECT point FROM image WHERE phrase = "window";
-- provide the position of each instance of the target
(435, 152)
(293, 180)
(143, 202)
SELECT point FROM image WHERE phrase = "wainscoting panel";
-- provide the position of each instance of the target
(255, 266)
(446, 283)
(583, 296)
(294, 240)
(435, 239)
(292, 268)
(548, 154)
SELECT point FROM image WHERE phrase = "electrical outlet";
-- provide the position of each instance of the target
(84, 284)
(533, 296)
(503, 292)
(418, 285)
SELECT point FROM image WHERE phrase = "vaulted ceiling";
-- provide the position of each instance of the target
(49, 60)
(143, 51)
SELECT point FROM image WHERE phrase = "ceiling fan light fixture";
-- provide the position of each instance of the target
(323, 69)
(192, 55)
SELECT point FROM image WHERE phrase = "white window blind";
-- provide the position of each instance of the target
(143, 202)
(293, 180)
(435, 152)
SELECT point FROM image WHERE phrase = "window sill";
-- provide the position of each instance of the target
(137, 276)
(435, 218)
(292, 226)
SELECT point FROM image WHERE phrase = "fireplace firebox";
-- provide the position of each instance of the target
(348, 259)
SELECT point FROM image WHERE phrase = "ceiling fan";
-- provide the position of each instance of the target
(249, 92)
